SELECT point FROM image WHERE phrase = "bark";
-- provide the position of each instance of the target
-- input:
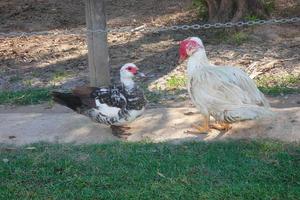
(225, 10)
(233, 10)
(212, 9)
(241, 10)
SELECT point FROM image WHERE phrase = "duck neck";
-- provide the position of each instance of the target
(128, 83)
(197, 61)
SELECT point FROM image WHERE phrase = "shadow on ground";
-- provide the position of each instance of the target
(30, 124)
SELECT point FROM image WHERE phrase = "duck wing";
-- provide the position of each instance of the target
(216, 90)
(113, 96)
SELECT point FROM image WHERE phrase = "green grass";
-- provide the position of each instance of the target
(276, 90)
(269, 5)
(28, 82)
(251, 18)
(201, 7)
(275, 85)
(176, 82)
(15, 78)
(24, 97)
(216, 170)
(60, 75)
(158, 95)
(230, 37)
(239, 38)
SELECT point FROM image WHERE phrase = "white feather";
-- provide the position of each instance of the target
(107, 110)
(226, 93)
(133, 114)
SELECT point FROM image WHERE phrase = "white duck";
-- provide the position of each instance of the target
(112, 105)
(226, 93)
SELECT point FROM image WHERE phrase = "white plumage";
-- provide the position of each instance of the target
(226, 93)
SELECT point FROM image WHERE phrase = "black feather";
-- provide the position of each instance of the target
(67, 99)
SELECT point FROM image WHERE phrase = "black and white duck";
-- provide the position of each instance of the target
(115, 105)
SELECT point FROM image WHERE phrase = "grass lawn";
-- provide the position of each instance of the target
(25, 97)
(216, 170)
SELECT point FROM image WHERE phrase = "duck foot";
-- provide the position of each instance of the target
(199, 129)
(221, 126)
(189, 113)
(120, 131)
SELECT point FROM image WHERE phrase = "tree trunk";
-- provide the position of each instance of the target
(225, 10)
(212, 9)
(233, 10)
(241, 10)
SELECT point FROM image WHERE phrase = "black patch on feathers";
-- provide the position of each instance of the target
(84, 101)
(118, 96)
(67, 99)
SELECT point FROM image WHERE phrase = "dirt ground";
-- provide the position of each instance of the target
(60, 61)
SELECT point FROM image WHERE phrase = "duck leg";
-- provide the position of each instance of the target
(124, 128)
(204, 128)
(120, 131)
(221, 126)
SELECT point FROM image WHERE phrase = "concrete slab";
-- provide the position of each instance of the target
(58, 127)
(171, 124)
(24, 125)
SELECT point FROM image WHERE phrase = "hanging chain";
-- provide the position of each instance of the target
(144, 28)
(227, 25)
(39, 33)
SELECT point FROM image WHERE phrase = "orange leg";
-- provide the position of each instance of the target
(221, 126)
(204, 128)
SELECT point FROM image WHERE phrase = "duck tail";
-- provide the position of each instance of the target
(247, 112)
(67, 99)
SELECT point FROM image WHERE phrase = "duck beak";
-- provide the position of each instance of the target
(140, 74)
(181, 59)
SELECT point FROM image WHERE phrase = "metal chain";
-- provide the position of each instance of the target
(155, 29)
(72, 32)
(224, 25)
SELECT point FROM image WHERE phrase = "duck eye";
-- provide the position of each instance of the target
(129, 68)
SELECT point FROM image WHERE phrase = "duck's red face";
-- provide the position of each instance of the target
(132, 69)
(187, 48)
